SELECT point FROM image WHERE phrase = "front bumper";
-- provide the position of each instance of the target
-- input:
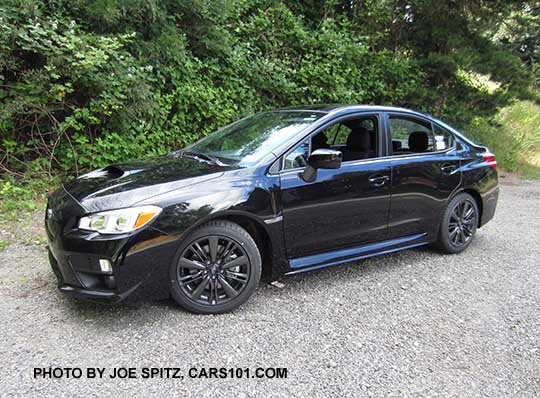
(140, 261)
(69, 282)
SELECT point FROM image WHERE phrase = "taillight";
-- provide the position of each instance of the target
(489, 158)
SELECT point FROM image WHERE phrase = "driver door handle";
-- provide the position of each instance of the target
(378, 179)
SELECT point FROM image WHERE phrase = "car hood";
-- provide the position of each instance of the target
(124, 185)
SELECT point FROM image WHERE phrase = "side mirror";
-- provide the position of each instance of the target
(321, 159)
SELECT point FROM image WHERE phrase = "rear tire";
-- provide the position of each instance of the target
(217, 268)
(458, 224)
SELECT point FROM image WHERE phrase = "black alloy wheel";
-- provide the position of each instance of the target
(459, 223)
(217, 269)
(462, 222)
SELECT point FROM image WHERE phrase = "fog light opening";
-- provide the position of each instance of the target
(109, 282)
(105, 265)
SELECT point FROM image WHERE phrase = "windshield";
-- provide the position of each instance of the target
(249, 140)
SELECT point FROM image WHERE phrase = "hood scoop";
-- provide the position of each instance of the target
(109, 172)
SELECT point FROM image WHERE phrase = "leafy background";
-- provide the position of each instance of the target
(88, 83)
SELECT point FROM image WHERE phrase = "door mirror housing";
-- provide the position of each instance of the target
(321, 159)
(325, 159)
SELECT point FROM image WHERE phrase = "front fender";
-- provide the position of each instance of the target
(254, 199)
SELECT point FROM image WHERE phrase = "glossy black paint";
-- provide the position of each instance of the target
(363, 208)
(126, 184)
(341, 208)
(325, 159)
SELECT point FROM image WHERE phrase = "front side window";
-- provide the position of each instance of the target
(338, 134)
(356, 138)
(249, 140)
(298, 156)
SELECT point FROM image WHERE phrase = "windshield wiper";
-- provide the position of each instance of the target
(204, 157)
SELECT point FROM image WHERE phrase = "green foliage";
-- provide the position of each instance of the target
(86, 83)
(16, 197)
(63, 90)
(521, 34)
(513, 135)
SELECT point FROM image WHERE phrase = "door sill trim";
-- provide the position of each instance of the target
(328, 259)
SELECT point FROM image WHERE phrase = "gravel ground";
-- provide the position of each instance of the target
(415, 323)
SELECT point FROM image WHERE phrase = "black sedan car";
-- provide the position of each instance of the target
(278, 192)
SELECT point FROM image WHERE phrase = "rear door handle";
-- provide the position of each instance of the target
(378, 179)
(448, 167)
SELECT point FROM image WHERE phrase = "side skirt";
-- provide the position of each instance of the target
(328, 259)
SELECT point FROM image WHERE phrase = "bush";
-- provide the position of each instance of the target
(88, 83)
(513, 135)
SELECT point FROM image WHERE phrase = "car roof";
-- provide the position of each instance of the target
(345, 108)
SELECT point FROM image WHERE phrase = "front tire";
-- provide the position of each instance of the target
(458, 224)
(217, 268)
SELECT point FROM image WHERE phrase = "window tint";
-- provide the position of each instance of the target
(417, 136)
(443, 139)
(402, 129)
(297, 157)
(341, 132)
(356, 138)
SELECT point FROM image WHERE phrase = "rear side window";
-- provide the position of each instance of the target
(443, 139)
(418, 136)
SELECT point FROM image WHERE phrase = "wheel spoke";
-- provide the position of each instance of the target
(453, 234)
(213, 296)
(236, 276)
(186, 280)
(229, 290)
(465, 210)
(469, 222)
(227, 250)
(216, 291)
(191, 264)
(198, 250)
(210, 291)
(213, 247)
(467, 231)
(200, 289)
(456, 238)
(235, 263)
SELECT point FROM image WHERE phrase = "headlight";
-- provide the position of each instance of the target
(119, 221)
